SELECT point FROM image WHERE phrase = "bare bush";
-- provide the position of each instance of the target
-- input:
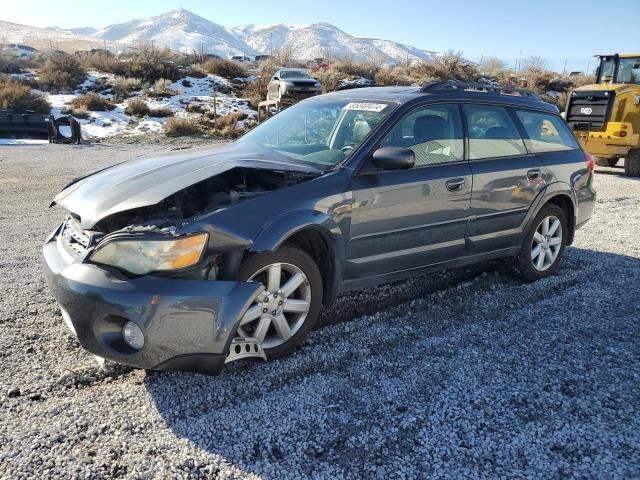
(103, 61)
(161, 112)
(348, 66)
(123, 86)
(492, 65)
(179, 127)
(137, 108)
(452, 65)
(20, 98)
(225, 69)
(61, 72)
(256, 91)
(149, 64)
(535, 64)
(92, 102)
(162, 88)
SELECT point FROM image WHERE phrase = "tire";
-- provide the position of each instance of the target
(632, 163)
(526, 263)
(292, 261)
(606, 162)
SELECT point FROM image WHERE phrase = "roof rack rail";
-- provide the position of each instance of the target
(479, 88)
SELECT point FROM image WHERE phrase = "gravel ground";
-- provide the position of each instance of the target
(471, 373)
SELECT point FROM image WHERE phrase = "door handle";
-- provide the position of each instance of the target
(455, 184)
(534, 173)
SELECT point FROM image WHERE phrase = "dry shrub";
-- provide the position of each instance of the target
(161, 112)
(123, 86)
(14, 96)
(451, 65)
(194, 108)
(162, 88)
(92, 102)
(179, 127)
(349, 67)
(256, 90)
(225, 68)
(392, 77)
(102, 60)
(230, 120)
(149, 64)
(137, 108)
(61, 72)
(80, 112)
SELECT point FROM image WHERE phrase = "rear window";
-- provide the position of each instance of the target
(547, 133)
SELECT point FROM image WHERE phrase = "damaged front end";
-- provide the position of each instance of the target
(137, 285)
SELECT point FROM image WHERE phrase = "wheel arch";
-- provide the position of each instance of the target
(315, 233)
(563, 196)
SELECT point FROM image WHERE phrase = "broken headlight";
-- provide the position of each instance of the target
(145, 256)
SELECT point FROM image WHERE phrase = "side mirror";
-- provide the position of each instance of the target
(394, 158)
(276, 78)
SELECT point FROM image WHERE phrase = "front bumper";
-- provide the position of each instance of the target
(187, 324)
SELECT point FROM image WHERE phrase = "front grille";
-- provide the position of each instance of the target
(75, 240)
(591, 109)
(303, 84)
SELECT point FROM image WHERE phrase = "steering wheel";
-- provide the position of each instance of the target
(346, 149)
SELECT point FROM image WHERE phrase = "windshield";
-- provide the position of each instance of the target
(628, 70)
(320, 132)
(294, 74)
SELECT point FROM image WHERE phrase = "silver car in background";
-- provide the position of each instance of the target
(289, 85)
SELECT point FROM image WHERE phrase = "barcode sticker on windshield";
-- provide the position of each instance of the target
(365, 107)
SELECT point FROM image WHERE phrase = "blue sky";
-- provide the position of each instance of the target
(553, 29)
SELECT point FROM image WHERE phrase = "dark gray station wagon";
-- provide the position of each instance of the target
(188, 261)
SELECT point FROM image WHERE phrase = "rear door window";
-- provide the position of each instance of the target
(547, 133)
(492, 133)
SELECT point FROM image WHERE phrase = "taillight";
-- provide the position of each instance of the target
(591, 163)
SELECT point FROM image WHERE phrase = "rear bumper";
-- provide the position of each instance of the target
(187, 324)
(609, 143)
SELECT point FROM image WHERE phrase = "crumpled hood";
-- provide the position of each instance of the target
(147, 181)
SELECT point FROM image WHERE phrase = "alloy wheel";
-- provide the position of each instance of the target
(281, 309)
(546, 243)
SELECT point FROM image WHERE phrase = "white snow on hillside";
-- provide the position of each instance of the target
(322, 40)
(179, 30)
(117, 122)
(187, 32)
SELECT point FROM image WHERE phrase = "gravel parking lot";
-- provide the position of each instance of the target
(471, 373)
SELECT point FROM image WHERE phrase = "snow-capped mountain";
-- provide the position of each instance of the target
(179, 30)
(326, 40)
(187, 32)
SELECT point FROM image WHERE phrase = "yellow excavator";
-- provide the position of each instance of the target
(605, 117)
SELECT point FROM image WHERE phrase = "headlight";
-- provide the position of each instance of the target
(317, 84)
(287, 84)
(144, 256)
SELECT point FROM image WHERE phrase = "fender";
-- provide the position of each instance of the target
(552, 190)
(275, 233)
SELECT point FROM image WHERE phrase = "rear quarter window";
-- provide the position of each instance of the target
(546, 132)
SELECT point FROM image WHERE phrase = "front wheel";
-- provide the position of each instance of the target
(283, 314)
(544, 244)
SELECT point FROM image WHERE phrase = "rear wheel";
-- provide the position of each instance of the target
(544, 244)
(282, 316)
(632, 163)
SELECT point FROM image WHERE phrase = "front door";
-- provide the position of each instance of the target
(406, 219)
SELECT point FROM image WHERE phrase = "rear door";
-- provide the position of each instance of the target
(405, 219)
(506, 178)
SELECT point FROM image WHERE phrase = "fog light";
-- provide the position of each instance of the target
(133, 335)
